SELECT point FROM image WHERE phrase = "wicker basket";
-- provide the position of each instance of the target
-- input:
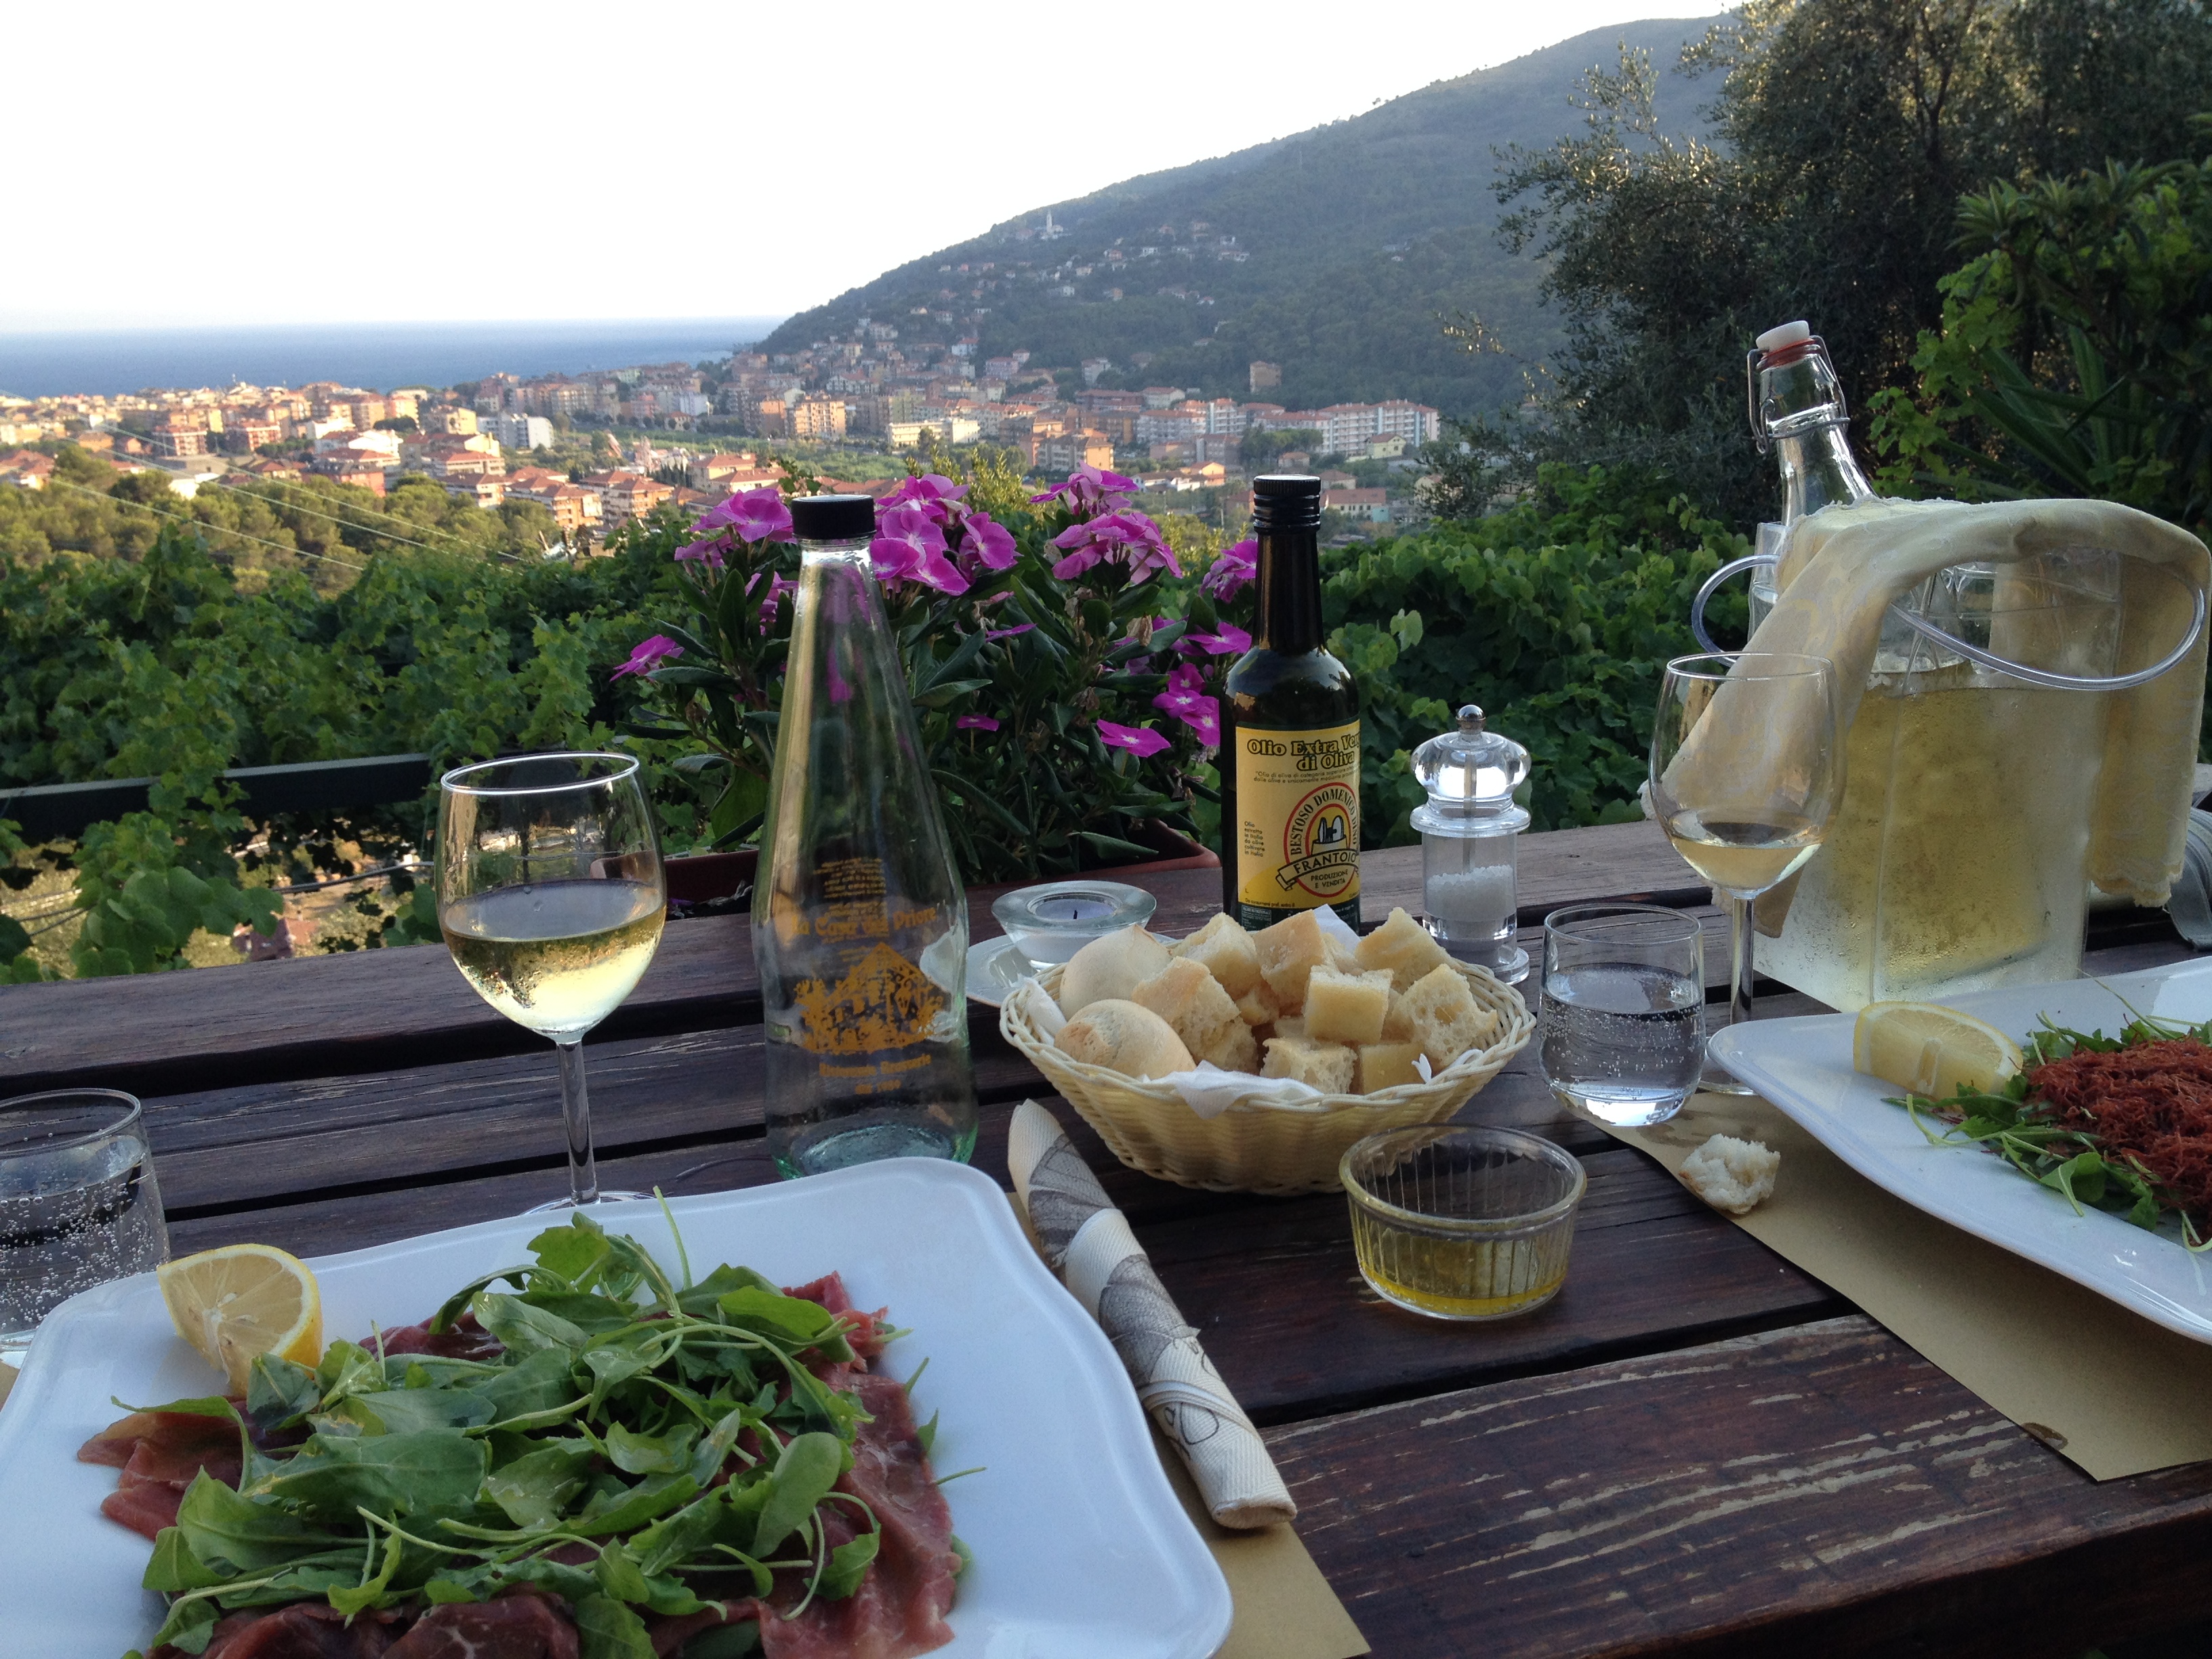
(1257, 1145)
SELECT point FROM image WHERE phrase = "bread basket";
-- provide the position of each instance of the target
(1256, 1145)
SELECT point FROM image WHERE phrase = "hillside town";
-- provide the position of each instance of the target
(649, 431)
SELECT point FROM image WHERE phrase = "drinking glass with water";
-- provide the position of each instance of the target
(78, 1203)
(1624, 999)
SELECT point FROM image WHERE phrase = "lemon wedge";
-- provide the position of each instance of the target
(242, 1301)
(1931, 1049)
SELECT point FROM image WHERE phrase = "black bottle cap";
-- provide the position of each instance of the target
(833, 518)
(1286, 500)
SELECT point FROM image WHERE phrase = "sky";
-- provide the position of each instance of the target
(252, 163)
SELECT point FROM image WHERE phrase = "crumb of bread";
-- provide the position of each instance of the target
(1446, 1018)
(1225, 951)
(1731, 1175)
(1328, 1066)
(1405, 947)
(1347, 1007)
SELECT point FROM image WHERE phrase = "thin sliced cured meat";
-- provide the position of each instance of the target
(463, 1340)
(520, 1625)
(177, 1432)
(145, 1508)
(864, 1330)
(306, 1630)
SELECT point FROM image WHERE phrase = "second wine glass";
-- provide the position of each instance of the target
(552, 899)
(1747, 767)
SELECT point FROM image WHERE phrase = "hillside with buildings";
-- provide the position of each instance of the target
(1335, 255)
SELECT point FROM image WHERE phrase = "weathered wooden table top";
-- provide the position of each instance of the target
(1695, 1448)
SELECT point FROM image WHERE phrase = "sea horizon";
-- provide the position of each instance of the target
(377, 356)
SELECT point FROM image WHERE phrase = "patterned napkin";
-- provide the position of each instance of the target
(1088, 1243)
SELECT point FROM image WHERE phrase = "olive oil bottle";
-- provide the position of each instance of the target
(1290, 747)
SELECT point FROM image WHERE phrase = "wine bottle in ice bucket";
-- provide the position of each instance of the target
(860, 924)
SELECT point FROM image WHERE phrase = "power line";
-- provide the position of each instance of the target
(200, 525)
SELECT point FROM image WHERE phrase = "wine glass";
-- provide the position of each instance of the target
(1747, 767)
(551, 898)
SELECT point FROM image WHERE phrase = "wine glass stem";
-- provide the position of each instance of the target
(576, 1117)
(1739, 971)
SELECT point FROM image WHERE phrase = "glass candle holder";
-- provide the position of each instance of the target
(1050, 923)
(1470, 831)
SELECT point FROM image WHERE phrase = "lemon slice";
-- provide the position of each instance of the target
(242, 1301)
(1931, 1049)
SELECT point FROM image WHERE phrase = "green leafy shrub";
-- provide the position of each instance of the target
(1555, 615)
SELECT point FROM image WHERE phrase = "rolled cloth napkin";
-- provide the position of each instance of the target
(1845, 565)
(1088, 1243)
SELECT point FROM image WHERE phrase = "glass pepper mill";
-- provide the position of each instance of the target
(1468, 831)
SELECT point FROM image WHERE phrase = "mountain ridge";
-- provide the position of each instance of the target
(1338, 253)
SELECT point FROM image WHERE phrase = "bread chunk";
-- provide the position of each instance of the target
(1225, 951)
(1126, 1038)
(1258, 1006)
(1345, 959)
(1447, 1019)
(1731, 1175)
(1386, 1065)
(1234, 1050)
(1289, 953)
(1404, 946)
(1328, 1066)
(1112, 967)
(1192, 1001)
(1347, 1007)
(1290, 1026)
(1397, 1020)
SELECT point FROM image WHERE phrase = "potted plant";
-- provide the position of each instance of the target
(1062, 662)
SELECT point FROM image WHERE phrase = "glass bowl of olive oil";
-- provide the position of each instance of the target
(1465, 1224)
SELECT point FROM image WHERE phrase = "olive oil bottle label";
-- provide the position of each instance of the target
(1297, 819)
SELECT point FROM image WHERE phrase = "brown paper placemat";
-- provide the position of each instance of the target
(2112, 1392)
(1285, 1608)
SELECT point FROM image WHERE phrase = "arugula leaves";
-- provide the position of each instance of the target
(673, 1447)
(2071, 1161)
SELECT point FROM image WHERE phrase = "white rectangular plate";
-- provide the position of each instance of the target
(1082, 1551)
(1804, 1067)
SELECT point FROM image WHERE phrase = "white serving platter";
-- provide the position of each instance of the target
(1082, 1550)
(1803, 1065)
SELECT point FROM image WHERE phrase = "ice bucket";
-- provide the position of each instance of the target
(1958, 857)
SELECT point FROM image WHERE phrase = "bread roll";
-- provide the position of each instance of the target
(1112, 966)
(1126, 1038)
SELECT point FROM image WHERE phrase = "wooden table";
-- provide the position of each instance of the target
(1695, 1448)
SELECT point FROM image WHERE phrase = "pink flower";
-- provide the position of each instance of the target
(1139, 740)
(909, 546)
(930, 487)
(777, 587)
(989, 541)
(1007, 633)
(759, 514)
(1236, 566)
(708, 549)
(649, 655)
(1129, 537)
(1186, 699)
(1227, 640)
(976, 723)
(1088, 489)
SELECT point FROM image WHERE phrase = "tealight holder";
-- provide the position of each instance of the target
(1470, 831)
(1051, 922)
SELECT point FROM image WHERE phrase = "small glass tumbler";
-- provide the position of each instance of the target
(79, 1205)
(1463, 1224)
(1624, 1005)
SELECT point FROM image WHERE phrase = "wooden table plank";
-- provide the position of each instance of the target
(1819, 1490)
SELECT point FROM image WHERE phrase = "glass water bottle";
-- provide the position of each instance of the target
(859, 923)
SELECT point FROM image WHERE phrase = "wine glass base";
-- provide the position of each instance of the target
(554, 1205)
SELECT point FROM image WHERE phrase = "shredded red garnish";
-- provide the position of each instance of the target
(2151, 1102)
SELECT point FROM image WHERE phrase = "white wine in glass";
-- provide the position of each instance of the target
(552, 899)
(1747, 767)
